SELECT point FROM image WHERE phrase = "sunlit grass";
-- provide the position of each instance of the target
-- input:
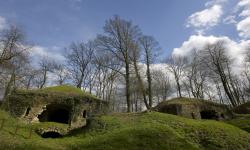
(149, 130)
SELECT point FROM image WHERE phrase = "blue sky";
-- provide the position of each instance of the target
(54, 24)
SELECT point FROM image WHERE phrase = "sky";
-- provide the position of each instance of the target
(178, 25)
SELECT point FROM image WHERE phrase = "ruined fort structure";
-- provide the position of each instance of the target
(195, 109)
(68, 108)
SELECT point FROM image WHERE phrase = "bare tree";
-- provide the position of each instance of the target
(161, 85)
(215, 59)
(78, 58)
(13, 58)
(196, 76)
(46, 65)
(61, 73)
(246, 75)
(119, 36)
(150, 49)
(176, 65)
(141, 85)
(11, 40)
(16, 71)
(29, 77)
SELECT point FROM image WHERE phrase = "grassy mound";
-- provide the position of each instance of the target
(151, 130)
(65, 89)
(187, 101)
(19, 100)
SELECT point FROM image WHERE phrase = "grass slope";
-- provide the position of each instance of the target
(151, 130)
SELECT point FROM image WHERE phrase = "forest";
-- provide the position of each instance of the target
(126, 68)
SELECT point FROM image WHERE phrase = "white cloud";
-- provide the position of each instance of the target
(3, 23)
(206, 18)
(245, 4)
(231, 19)
(235, 50)
(214, 2)
(39, 51)
(243, 26)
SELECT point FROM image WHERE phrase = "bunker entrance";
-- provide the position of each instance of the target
(51, 134)
(55, 113)
(209, 114)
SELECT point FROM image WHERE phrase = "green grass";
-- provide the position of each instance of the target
(149, 130)
(187, 101)
(64, 89)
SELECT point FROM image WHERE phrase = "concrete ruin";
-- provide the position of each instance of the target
(195, 109)
(36, 106)
(243, 108)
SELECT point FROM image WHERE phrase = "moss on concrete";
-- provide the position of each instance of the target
(40, 105)
(193, 108)
(243, 109)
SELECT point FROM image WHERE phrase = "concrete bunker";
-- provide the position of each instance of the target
(195, 109)
(55, 113)
(64, 104)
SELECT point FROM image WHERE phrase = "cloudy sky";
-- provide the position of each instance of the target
(178, 25)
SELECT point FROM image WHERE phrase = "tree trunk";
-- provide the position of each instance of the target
(79, 84)
(178, 87)
(8, 87)
(149, 84)
(44, 79)
(141, 85)
(127, 76)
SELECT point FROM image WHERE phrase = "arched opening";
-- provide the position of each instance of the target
(84, 114)
(222, 116)
(27, 111)
(55, 113)
(51, 134)
(193, 115)
(209, 114)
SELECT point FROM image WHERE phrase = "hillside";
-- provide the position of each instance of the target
(151, 130)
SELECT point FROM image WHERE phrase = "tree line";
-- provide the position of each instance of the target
(119, 66)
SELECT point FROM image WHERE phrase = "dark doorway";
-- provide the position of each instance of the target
(51, 134)
(84, 114)
(27, 111)
(55, 113)
(222, 116)
(209, 114)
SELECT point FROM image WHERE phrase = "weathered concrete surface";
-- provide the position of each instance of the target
(195, 109)
(39, 107)
(243, 108)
